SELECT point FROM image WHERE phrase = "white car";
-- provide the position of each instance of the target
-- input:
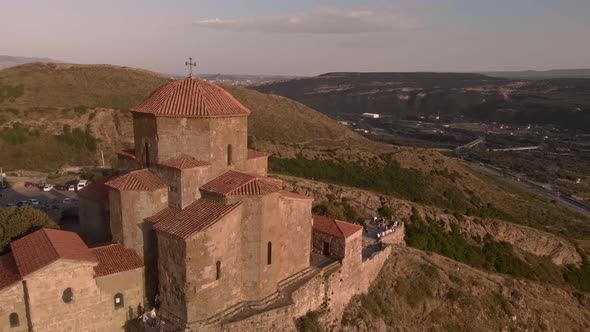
(71, 187)
(10, 205)
(34, 201)
(47, 187)
(82, 184)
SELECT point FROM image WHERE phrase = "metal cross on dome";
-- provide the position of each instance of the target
(190, 65)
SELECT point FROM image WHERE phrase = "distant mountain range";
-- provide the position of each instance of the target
(541, 74)
(563, 102)
(242, 80)
(7, 61)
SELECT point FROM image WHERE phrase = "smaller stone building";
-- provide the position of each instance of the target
(93, 212)
(51, 281)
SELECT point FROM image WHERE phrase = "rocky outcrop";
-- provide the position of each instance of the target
(366, 203)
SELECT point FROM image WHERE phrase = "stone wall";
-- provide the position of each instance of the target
(145, 131)
(127, 164)
(182, 136)
(205, 293)
(92, 307)
(12, 301)
(94, 219)
(128, 210)
(172, 277)
(228, 131)
(256, 166)
(131, 285)
(336, 245)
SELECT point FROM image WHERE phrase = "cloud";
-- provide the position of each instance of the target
(325, 20)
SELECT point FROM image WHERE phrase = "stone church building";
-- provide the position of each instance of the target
(224, 246)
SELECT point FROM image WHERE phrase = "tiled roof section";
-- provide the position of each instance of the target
(335, 227)
(234, 183)
(114, 258)
(96, 191)
(140, 180)
(46, 246)
(8, 271)
(193, 218)
(252, 154)
(184, 163)
(294, 195)
(191, 97)
(127, 153)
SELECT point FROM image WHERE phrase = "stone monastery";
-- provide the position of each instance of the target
(195, 219)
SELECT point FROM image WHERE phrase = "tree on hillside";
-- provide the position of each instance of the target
(17, 222)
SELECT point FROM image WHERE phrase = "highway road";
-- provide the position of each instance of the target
(530, 186)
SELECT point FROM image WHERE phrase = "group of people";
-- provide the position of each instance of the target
(385, 227)
(150, 318)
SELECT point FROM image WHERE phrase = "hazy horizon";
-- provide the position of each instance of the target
(303, 38)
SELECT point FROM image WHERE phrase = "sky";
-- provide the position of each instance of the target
(302, 37)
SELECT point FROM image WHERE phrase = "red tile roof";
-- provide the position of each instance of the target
(8, 271)
(191, 97)
(335, 227)
(140, 180)
(234, 183)
(184, 163)
(194, 218)
(96, 191)
(294, 195)
(127, 153)
(256, 154)
(46, 246)
(114, 258)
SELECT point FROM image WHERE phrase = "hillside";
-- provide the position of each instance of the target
(519, 250)
(61, 114)
(7, 61)
(417, 291)
(562, 102)
(541, 74)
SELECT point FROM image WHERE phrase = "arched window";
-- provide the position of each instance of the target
(269, 253)
(217, 270)
(147, 155)
(119, 301)
(14, 321)
(68, 295)
(229, 155)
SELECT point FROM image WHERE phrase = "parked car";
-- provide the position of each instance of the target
(60, 187)
(23, 203)
(29, 185)
(71, 187)
(81, 184)
(67, 200)
(34, 201)
(47, 187)
(3, 186)
(10, 205)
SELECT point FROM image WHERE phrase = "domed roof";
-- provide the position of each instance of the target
(191, 98)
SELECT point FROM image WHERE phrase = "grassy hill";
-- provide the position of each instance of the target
(42, 105)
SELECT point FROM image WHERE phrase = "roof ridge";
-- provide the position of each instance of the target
(338, 226)
(54, 249)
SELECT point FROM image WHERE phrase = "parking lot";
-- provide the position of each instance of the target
(60, 205)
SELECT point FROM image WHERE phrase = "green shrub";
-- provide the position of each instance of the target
(17, 222)
(309, 322)
(10, 92)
